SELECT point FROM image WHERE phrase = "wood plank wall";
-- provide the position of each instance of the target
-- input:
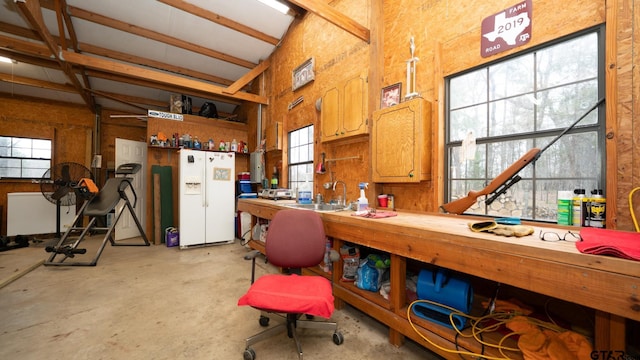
(70, 126)
(447, 37)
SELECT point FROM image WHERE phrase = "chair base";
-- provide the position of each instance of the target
(290, 325)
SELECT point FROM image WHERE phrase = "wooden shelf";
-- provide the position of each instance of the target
(374, 297)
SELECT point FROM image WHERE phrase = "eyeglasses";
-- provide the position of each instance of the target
(554, 236)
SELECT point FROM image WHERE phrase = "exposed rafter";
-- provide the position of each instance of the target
(320, 8)
(33, 13)
(153, 75)
(219, 19)
(150, 34)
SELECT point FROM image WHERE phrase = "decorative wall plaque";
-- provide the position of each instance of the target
(507, 29)
(303, 75)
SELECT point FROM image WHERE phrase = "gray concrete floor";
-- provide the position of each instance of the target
(158, 303)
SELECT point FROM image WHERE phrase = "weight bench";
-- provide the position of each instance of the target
(98, 206)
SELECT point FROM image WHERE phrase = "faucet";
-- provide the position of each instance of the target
(344, 192)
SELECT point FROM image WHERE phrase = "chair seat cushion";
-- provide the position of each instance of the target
(310, 295)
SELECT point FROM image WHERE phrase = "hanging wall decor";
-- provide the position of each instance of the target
(303, 75)
(507, 29)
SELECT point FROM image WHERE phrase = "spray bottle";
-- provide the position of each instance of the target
(363, 203)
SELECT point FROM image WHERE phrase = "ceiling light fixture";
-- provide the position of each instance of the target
(7, 60)
(276, 5)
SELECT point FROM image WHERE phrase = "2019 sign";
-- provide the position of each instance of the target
(507, 29)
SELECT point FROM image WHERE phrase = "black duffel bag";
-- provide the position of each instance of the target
(208, 110)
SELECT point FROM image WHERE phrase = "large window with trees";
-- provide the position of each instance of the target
(497, 112)
(24, 158)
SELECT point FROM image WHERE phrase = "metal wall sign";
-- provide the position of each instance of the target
(165, 115)
(507, 29)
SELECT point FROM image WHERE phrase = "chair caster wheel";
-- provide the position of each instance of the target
(338, 339)
(249, 354)
(264, 321)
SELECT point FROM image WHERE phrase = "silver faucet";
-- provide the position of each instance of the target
(344, 192)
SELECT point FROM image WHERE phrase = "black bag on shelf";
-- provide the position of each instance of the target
(208, 110)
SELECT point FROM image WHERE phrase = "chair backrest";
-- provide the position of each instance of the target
(295, 239)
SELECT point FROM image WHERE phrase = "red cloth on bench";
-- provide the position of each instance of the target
(622, 244)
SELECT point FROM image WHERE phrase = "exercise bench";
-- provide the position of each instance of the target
(97, 207)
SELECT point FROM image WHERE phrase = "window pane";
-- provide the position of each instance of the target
(502, 154)
(304, 153)
(294, 138)
(512, 77)
(21, 152)
(511, 116)
(468, 89)
(563, 106)
(471, 119)
(574, 156)
(469, 167)
(568, 62)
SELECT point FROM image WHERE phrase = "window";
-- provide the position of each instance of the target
(301, 158)
(496, 113)
(24, 158)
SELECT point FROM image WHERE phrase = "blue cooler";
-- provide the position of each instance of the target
(443, 288)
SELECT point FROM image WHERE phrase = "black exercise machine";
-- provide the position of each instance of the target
(97, 207)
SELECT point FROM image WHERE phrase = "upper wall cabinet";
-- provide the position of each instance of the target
(344, 110)
(401, 142)
(273, 139)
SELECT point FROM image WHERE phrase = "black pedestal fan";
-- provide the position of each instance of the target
(59, 185)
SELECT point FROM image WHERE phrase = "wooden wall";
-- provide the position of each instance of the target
(447, 37)
(72, 129)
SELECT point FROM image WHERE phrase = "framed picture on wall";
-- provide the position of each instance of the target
(390, 95)
(303, 74)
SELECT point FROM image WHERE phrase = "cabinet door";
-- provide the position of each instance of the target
(401, 142)
(273, 140)
(354, 119)
(330, 115)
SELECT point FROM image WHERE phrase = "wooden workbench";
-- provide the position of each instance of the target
(609, 285)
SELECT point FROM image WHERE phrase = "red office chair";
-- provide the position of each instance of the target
(295, 240)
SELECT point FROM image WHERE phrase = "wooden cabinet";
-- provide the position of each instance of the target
(344, 110)
(401, 147)
(274, 137)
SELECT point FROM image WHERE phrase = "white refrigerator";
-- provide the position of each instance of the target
(207, 197)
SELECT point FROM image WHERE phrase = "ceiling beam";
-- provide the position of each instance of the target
(248, 77)
(118, 98)
(116, 55)
(33, 13)
(156, 76)
(155, 85)
(20, 80)
(25, 47)
(153, 35)
(221, 20)
(42, 51)
(321, 9)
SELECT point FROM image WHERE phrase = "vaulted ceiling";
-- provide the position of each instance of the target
(130, 56)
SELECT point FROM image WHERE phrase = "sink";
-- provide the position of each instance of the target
(318, 207)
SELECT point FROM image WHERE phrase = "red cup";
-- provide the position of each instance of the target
(382, 200)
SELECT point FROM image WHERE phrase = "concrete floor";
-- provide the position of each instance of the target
(158, 303)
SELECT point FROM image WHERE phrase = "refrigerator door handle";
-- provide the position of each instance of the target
(203, 193)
